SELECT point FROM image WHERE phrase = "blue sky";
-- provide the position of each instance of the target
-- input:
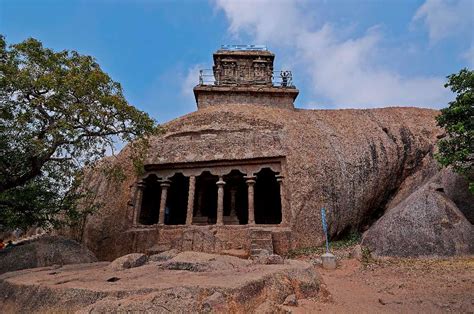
(343, 53)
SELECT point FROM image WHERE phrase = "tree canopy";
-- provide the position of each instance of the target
(59, 112)
(457, 148)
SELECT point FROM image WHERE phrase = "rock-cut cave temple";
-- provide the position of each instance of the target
(248, 171)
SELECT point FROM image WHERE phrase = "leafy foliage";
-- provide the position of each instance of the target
(457, 149)
(59, 112)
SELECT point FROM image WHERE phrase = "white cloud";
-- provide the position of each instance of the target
(446, 18)
(346, 71)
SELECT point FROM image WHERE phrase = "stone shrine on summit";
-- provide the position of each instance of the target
(245, 75)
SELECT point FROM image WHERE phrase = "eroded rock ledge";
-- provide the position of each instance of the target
(223, 284)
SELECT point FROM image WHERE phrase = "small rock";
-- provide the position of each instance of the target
(214, 302)
(357, 252)
(128, 261)
(382, 302)
(291, 300)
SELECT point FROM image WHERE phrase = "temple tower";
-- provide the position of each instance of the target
(244, 74)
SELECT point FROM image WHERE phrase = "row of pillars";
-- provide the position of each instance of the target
(165, 184)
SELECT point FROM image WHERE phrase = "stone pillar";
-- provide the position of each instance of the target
(189, 214)
(250, 180)
(282, 200)
(165, 184)
(138, 203)
(220, 201)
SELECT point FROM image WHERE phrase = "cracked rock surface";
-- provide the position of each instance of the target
(224, 283)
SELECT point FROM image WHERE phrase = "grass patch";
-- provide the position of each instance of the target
(348, 241)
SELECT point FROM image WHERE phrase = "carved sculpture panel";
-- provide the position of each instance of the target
(248, 70)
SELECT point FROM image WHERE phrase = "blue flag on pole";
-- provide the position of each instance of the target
(325, 227)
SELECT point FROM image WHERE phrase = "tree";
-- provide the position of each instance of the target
(59, 112)
(457, 148)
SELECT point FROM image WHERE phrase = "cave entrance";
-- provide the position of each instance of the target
(177, 200)
(235, 199)
(267, 198)
(150, 209)
(205, 202)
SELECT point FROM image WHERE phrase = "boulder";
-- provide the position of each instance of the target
(291, 300)
(427, 223)
(128, 261)
(357, 252)
(44, 251)
(457, 189)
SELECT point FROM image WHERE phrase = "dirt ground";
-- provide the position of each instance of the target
(395, 285)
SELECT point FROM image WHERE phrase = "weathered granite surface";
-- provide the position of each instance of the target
(191, 281)
(44, 251)
(353, 162)
(427, 223)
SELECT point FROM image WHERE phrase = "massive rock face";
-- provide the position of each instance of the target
(355, 163)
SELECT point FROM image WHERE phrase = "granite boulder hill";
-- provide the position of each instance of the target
(356, 163)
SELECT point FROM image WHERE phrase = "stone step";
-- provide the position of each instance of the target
(262, 244)
(259, 252)
(268, 248)
(260, 234)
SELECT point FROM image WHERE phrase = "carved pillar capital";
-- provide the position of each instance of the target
(165, 183)
(279, 178)
(250, 180)
(221, 182)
